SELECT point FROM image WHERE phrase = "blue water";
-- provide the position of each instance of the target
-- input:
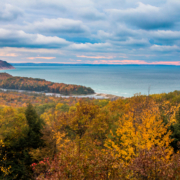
(122, 80)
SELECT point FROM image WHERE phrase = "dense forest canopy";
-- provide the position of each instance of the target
(44, 138)
(34, 84)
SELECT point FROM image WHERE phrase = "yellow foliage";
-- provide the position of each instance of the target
(5, 170)
(139, 129)
(59, 105)
(173, 117)
(12, 123)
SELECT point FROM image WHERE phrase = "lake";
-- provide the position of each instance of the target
(121, 80)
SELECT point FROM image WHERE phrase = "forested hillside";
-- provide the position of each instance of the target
(49, 138)
(5, 65)
(34, 84)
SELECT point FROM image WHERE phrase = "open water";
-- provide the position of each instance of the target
(121, 80)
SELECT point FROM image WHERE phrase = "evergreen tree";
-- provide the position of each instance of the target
(35, 125)
(175, 128)
(16, 150)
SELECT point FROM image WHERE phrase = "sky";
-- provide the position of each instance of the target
(90, 31)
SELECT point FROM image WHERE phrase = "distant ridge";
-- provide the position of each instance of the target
(5, 65)
(8, 81)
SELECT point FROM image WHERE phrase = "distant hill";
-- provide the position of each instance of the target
(5, 65)
(8, 81)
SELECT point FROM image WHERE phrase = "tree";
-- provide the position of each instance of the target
(20, 134)
(13, 129)
(139, 128)
(175, 128)
(35, 123)
(153, 165)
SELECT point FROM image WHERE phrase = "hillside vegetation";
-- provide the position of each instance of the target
(5, 65)
(48, 138)
(34, 84)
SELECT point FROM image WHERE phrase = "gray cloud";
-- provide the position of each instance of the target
(9, 12)
(146, 16)
(144, 30)
(165, 48)
(167, 37)
(87, 47)
(91, 14)
(59, 26)
(135, 43)
(121, 33)
(9, 38)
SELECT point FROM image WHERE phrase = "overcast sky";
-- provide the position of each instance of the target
(90, 31)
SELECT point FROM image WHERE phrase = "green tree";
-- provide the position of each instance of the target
(21, 134)
(175, 128)
(35, 123)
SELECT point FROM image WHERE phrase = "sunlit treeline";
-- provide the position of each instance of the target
(16, 99)
(129, 139)
(34, 84)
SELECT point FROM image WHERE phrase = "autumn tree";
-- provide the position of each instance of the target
(139, 128)
(153, 164)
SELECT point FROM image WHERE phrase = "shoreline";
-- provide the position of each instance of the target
(96, 95)
(5, 68)
(110, 96)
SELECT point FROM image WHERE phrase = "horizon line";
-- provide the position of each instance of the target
(107, 62)
(149, 64)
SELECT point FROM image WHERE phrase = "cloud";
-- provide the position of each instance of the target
(167, 37)
(165, 48)
(130, 43)
(9, 12)
(29, 50)
(146, 16)
(91, 14)
(89, 46)
(140, 62)
(32, 58)
(90, 30)
(135, 42)
(10, 38)
(8, 55)
(120, 33)
(177, 63)
(126, 38)
(59, 26)
(119, 62)
(96, 57)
